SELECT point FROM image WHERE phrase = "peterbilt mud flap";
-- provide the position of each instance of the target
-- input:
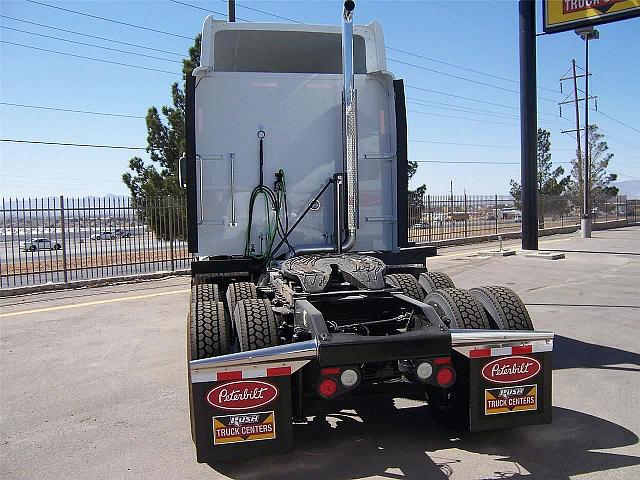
(508, 385)
(241, 403)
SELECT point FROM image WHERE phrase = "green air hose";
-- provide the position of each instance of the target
(273, 204)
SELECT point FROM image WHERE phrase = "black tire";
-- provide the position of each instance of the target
(432, 281)
(255, 324)
(208, 292)
(240, 291)
(504, 308)
(33, 248)
(57, 246)
(458, 309)
(407, 283)
(210, 331)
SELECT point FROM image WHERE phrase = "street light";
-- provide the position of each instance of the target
(586, 34)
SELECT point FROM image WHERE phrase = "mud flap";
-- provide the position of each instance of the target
(242, 417)
(507, 386)
(242, 404)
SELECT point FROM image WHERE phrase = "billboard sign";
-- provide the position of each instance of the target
(562, 15)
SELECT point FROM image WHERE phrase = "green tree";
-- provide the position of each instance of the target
(550, 182)
(416, 197)
(600, 179)
(151, 183)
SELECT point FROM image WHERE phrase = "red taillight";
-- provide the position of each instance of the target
(445, 376)
(442, 361)
(327, 387)
(330, 371)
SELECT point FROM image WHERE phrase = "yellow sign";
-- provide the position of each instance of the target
(561, 15)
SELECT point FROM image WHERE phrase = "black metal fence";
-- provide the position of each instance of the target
(63, 239)
(448, 217)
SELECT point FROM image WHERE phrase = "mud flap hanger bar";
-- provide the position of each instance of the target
(265, 362)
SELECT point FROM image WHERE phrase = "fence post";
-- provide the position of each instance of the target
(64, 240)
(496, 213)
(465, 215)
(171, 214)
(430, 215)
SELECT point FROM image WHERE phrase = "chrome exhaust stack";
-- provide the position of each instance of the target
(350, 133)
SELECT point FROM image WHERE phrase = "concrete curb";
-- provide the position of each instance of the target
(545, 232)
(93, 282)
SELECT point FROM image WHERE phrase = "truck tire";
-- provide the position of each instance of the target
(458, 309)
(210, 331)
(432, 281)
(407, 283)
(207, 292)
(240, 291)
(504, 308)
(255, 324)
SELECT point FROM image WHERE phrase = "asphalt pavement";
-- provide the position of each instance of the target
(93, 384)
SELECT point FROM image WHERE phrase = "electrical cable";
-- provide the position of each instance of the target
(137, 54)
(92, 58)
(11, 140)
(91, 36)
(110, 20)
(42, 107)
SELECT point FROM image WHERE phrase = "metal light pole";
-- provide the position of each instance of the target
(586, 34)
(528, 124)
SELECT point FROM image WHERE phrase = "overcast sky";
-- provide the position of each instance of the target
(476, 40)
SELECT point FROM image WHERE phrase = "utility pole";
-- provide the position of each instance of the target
(582, 153)
(232, 10)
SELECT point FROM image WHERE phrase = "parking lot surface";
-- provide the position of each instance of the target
(93, 384)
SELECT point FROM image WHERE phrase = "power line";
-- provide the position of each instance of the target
(42, 107)
(477, 82)
(91, 36)
(92, 45)
(478, 72)
(461, 97)
(461, 108)
(462, 78)
(110, 20)
(476, 144)
(91, 58)
(615, 120)
(66, 144)
(463, 118)
(466, 162)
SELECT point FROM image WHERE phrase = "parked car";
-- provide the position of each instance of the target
(422, 225)
(103, 236)
(121, 233)
(36, 244)
(457, 217)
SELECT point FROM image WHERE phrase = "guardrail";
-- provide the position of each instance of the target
(64, 239)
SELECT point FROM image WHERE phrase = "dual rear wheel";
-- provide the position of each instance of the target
(491, 307)
(214, 326)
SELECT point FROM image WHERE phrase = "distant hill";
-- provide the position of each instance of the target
(630, 188)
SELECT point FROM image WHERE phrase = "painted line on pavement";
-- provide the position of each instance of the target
(95, 302)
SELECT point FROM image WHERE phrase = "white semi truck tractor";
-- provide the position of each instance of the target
(306, 293)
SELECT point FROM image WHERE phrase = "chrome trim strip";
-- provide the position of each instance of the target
(460, 337)
(282, 353)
